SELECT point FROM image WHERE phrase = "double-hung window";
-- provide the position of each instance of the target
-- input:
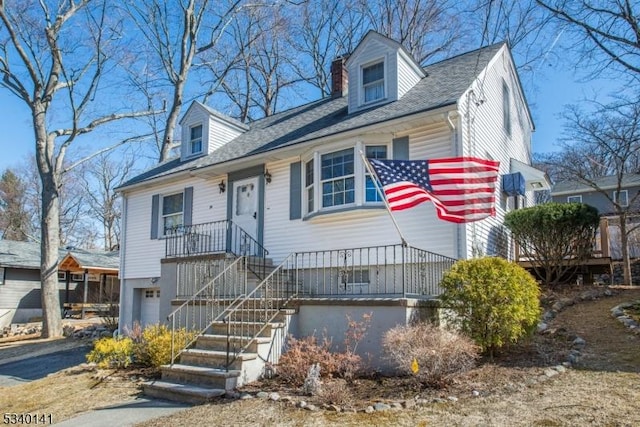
(373, 82)
(195, 140)
(337, 178)
(172, 213)
(371, 192)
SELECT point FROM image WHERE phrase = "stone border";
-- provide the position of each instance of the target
(619, 313)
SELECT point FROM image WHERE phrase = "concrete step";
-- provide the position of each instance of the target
(200, 376)
(249, 329)
(213, 358)
(219, 342)
(184, 393)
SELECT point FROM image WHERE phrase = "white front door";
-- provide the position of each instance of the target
(245, 211)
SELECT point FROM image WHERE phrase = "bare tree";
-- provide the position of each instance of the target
(606, 33)
(177, 31)
(523, 24)
(425, 28)
(53, 57)
(328, 29)
(101, 177)
(599, 143)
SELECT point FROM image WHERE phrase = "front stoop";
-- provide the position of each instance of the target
(184, 393)
(202, 376)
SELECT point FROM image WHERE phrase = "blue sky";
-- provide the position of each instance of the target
(554, 90)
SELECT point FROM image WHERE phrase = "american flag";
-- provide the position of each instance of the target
(461, 188)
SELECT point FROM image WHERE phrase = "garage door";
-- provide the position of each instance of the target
(150, 306)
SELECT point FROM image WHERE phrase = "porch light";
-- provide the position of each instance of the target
(267, 176)
(222, 186)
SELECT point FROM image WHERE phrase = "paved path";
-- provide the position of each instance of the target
(33, 368)
(126, 414)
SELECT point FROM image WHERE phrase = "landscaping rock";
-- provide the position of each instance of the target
(409, 403)
(550, 373)
(578, 343)
(452, 399)
(381, 406)
(262, 395)
(302, 404)
(396, 405)
(560, 368)
(274, 397)
(542, 327)
(334, 408)
(369, 410)
(311, 408)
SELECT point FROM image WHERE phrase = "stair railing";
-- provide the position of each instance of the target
(208, 305)
(247, 319)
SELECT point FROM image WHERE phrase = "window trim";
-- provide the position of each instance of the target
(361, 87)
(77, 277)
(579, 197)
(3, 272)
(190, 151)
(62, 276)
(626, 196)
(162, 216)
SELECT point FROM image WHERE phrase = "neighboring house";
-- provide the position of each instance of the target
(626, 194)
(20, 296)
(291, 193)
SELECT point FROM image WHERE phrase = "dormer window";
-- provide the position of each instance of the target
(373, 82)
(195, 140)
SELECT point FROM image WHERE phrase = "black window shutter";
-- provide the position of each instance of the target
(188, 206)
(295, 191)
(155, 215)
(401, 148)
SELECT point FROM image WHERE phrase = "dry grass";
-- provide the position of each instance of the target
(68, 393)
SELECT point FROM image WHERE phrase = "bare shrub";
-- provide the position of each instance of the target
(336, 392)
(441, 354)
(302, 353)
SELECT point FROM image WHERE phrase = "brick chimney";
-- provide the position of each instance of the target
(339, 77)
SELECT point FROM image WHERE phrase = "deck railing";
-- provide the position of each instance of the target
(392, 270)
(212, 237)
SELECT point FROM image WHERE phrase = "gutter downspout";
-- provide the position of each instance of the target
(451, 118)
(122, 255)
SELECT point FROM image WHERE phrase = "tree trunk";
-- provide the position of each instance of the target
(50, 227)
(172, 120)
(624, 243)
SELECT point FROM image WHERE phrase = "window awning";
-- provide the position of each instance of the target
(535, 179)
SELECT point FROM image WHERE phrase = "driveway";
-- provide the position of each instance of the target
(33, 368)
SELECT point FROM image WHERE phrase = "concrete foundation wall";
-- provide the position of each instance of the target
(318, 317)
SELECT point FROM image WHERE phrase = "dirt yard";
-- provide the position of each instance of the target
(603, 389)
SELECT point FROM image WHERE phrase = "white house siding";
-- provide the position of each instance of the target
(485, 136)
(357, 228)
(143, 254)
(195, 116)
(407, 78)
(372, 52)
(219, 134)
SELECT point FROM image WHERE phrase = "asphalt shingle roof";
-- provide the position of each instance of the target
(444, 84)
(605, 182)
(27, 255)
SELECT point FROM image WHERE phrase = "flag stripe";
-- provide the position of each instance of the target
(462, 188)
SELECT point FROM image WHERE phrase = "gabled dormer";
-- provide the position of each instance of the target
(204, 130)
(380, 70)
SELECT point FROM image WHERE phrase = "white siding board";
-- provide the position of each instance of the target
(143, 254)
(407, 77)
(484, 136)
(420, 225)
(219, 134)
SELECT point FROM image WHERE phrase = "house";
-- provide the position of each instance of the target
(20, 297)
(281, 213)
(625, 192)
